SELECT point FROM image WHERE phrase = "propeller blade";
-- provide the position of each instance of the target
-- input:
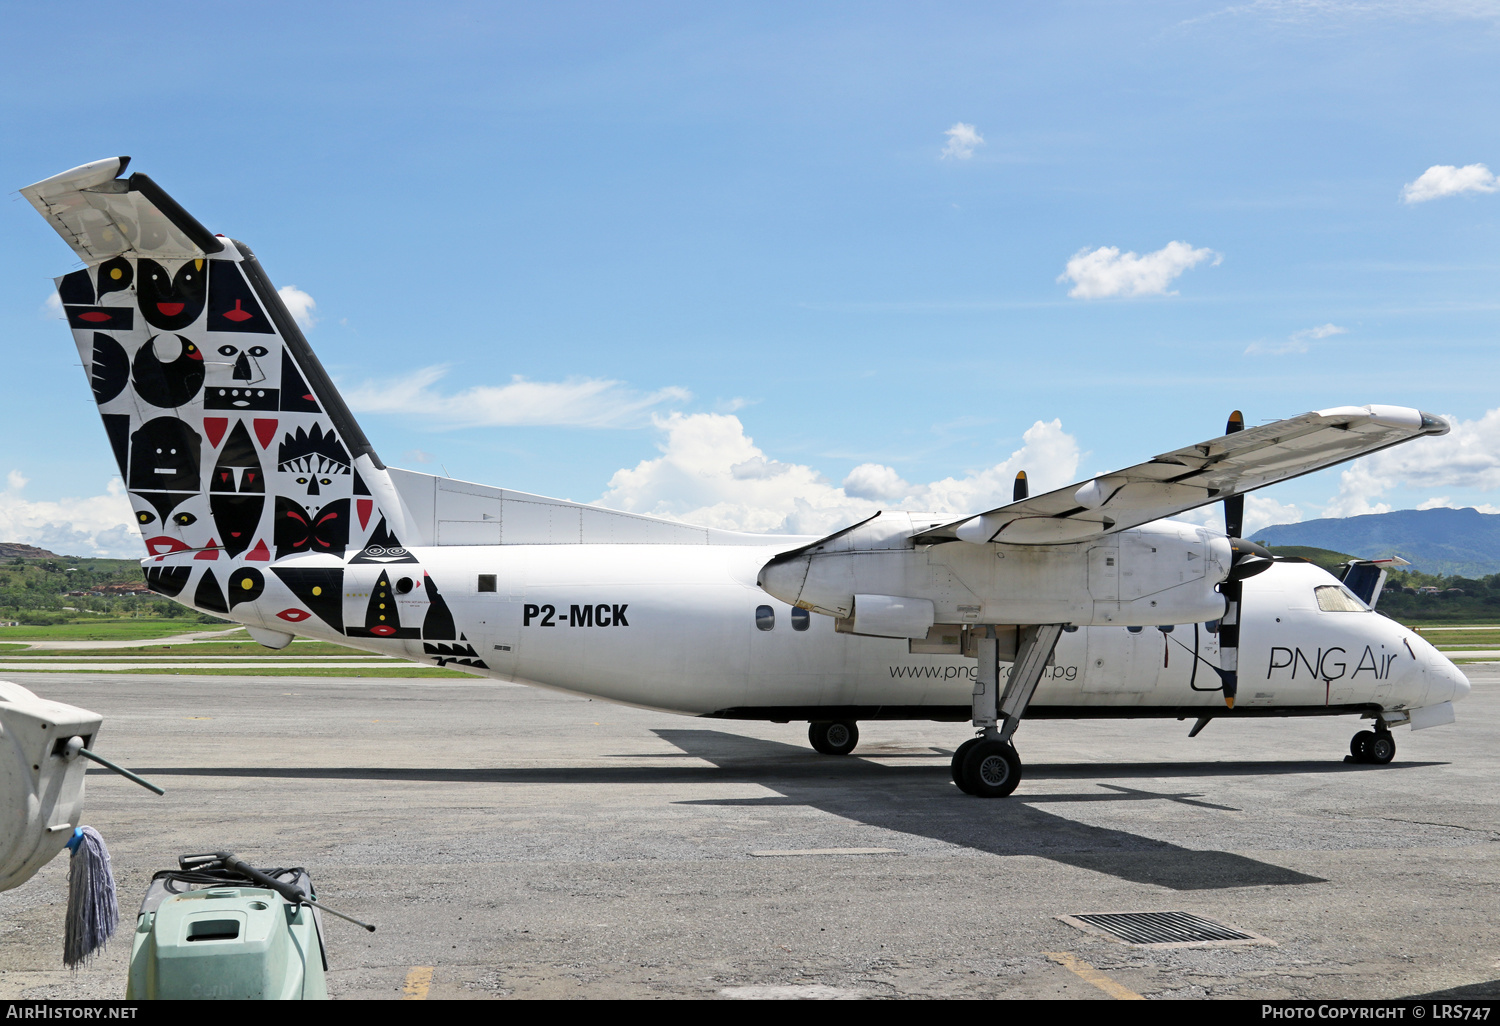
(1240, 567)
(1234, 507)
(1229, 639)
(1022, 489)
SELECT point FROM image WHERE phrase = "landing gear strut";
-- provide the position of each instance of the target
(1372, 746)
(838, 738)
(987, 766)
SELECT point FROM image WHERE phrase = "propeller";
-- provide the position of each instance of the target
(1246, 560)
(1022, 489)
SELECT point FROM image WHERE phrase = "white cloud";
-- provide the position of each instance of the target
(52, 308)
(1446, 180)
(1468, 457)
(1296, 342)
(874, 481)
(962, 141)
(711, 473)
(579, 402)
(100, 525)
(300, 305)
(1263, 511)
(1106, 271)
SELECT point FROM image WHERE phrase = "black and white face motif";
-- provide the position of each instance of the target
(237, 491)
(171, 301)
(167, 370)
(172, 522)
(164, 457)
(316, 460)
(239, 396)
(244, 363)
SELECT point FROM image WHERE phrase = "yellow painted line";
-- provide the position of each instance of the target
(417, 983)
(1083, 970)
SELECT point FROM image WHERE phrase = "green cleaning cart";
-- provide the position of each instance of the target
(217, 929)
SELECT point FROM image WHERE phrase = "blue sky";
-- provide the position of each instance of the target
(838, 230)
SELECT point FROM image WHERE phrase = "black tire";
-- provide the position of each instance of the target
(836, 738)
(1382, 748)
(992, 769)
(1359, 745)
(958, 763)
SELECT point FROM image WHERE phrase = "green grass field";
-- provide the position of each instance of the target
(111, 630)
(296, 650)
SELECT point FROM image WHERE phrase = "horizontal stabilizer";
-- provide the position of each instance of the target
(1181, 480)
(102, 216)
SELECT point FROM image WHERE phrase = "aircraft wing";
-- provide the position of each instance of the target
(1183, 479)
(102, 216)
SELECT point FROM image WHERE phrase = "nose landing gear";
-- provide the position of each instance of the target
(1375, 747)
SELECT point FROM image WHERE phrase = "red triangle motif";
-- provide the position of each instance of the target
(210, 551)
(265, 431)
(214, 428)
(364, 506)
(260, 552)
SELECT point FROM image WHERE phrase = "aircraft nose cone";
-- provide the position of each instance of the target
(1456, 678)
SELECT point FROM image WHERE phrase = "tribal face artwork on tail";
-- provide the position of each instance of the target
(234, 446)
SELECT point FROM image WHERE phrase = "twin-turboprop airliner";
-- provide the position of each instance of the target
(261, 500)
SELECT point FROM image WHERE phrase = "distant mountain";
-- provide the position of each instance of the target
(1436, 541)
(13, 550)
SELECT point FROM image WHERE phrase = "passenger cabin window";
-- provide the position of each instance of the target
(486, 582)
(765, 618)
(1135, 630)
(1333, 598)
(801, 619)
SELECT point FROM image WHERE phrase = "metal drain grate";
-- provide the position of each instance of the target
(1163, 930)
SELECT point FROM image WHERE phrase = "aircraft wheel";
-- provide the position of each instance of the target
(1359, 745)
(838, 738)
(992, 769)
(958, 763)
(1381, 749)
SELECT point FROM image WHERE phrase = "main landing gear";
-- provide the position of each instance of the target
(987, 766)
(1372, 746)
(837, 738)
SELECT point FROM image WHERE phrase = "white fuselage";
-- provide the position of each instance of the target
(675, 627)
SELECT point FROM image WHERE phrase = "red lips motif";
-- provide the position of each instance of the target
(170, 309)
(161, 545)
(294, 615)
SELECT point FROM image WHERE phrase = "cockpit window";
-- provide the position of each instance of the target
(1334, 598)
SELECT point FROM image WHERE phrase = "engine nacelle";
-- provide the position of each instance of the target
(1164, 572)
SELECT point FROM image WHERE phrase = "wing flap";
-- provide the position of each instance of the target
(1186, 478)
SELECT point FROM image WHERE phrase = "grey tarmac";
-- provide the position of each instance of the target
(515, 843)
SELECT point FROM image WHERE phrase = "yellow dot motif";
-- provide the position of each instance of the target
(317, 589)
(115, 273)
(247, 584)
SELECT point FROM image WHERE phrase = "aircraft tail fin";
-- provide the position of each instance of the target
(229, 434)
